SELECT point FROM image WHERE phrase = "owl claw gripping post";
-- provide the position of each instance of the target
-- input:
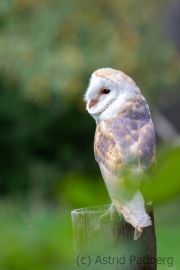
(124, 143)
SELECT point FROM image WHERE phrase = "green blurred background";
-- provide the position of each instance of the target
(48, 50)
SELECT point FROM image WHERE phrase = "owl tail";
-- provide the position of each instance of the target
(134, 213)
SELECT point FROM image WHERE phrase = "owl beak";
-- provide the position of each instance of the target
(92, 103)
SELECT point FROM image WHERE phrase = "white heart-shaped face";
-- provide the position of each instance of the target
(100, 94)
(108, 90)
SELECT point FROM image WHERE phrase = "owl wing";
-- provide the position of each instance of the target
(126, 147)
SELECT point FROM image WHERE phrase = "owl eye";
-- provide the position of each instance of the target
(106, 91)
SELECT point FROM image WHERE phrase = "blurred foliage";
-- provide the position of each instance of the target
(42, 139)
(48, 50)
(42, 239)
(165, 183)
(80, 190)
(54, 46)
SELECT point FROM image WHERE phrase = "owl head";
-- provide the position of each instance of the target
(108, 91)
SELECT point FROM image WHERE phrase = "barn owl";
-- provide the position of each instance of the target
(124, 142)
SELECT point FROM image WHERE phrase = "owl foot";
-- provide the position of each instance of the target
(111, 215)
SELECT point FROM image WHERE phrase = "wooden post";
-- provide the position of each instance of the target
(108, 245)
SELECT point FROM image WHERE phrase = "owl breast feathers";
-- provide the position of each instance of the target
(124, 143)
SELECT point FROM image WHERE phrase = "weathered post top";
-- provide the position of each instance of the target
(110, 245)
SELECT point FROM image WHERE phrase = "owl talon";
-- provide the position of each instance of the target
(105, 216)
(111, 215)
